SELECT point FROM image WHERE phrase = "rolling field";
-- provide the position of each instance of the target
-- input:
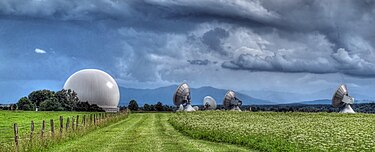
(23, 119)
(141, 132)
(270, 131)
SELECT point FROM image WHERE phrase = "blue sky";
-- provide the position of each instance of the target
(286, 50)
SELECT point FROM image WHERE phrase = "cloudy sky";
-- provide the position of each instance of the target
(268, 49)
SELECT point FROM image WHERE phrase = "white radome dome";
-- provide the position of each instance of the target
(96, 87)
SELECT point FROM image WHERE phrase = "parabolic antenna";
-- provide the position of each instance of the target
(230, 101)
(209, 103)
(182, 97)
(341, 99)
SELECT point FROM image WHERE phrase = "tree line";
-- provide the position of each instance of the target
(47, 100)
(360, 107)
(133, 106)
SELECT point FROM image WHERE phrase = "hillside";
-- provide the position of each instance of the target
(164, 95)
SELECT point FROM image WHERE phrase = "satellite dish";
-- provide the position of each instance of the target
(196, 108)
(341, 99)
(231, 102)
(182, 97)
(209, 103)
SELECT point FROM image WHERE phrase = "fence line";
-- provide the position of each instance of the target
(74, 125)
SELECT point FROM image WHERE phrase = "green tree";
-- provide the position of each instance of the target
(13, 107)
(146, 107)
(37, 97)
(67, 98)
(51, 104)
(159, 106)
(82, 106)
(85, 106)
(152, 107)
(133, 105)
(25, 104)
(168, 108)
(95, 107)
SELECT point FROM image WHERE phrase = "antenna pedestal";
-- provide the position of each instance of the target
(188, 107)
(236, 108)
(347, 109)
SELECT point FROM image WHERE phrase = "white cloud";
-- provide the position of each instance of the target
(39, 51)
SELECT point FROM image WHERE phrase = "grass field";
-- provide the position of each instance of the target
(141, 132)
(23, 119)
(213, 131)
(270, 131)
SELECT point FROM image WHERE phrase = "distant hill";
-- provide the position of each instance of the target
(165, 95)
(321, 101)
(328, 101)
(311, 98)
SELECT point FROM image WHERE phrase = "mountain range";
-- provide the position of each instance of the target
(328, 101)
(292, 97)
(165, 95)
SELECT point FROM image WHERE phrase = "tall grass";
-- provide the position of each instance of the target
(38, 143)
(272, 131)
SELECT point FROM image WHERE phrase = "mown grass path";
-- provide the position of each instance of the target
(141, 132)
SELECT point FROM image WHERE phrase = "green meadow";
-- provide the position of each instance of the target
(207, 131)
(23, 120)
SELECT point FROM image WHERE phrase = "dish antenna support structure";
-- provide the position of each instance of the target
(341, 99)
(209, 103)
(196, 108)
(231, 102)
(182, 98)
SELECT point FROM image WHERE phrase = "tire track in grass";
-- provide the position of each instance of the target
(189, 144)
(131, 139)
(141, 132)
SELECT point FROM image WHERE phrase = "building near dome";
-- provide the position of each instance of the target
(96, 87)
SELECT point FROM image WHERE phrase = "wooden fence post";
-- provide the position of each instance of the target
(99, 118)
(84, 120)
(73, 123)
(43, 127)
(103, 117)
(67, 124)
(77, 120)
(52, 128)
(90, 119)
(61, 125)
(31, 130)
(94, 119)
(15, 127)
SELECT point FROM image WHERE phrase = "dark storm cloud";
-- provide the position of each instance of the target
(349, 50)
(66, 10)
(213, 39)
(153, 43)
(199, 62)
(289, 36)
